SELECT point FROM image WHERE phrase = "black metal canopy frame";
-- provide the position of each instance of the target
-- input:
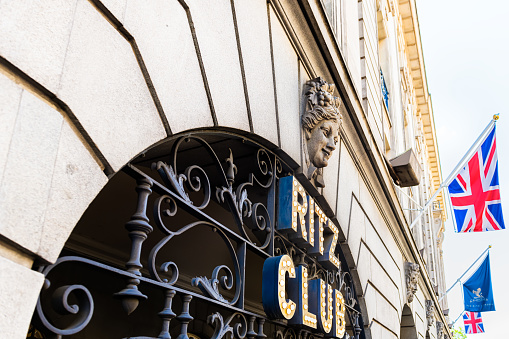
(179, 195)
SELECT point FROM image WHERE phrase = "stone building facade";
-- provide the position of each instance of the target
(95, 92)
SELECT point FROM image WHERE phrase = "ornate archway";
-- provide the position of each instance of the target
(178, 240)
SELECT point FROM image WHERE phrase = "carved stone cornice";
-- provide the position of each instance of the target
(411, 33)
(430, 313)
(412, 278)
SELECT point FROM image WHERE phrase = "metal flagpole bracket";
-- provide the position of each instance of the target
(458, 318)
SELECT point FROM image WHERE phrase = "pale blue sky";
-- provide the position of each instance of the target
(466, 53)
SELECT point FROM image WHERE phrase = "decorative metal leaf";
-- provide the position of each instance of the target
(242, 201)
(172, 180)
(222, 328)
(209, 287)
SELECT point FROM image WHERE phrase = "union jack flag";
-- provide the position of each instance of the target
(473, 322)
(475, 194)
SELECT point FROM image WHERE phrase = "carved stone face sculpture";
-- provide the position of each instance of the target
(412, 279)
(320, 123)
(321, 142)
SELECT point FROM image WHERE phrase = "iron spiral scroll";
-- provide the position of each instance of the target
(169, 193)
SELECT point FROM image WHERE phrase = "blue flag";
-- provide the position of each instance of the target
(477, 290)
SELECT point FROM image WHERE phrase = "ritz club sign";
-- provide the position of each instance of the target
(287, 292)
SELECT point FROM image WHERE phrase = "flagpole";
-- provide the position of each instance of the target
(454, 322)
(456, 170)
(468, 269)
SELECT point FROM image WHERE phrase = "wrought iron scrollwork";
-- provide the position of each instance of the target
(211, 286)
(179, 201)
(253, 215)
(208, 286)
(345, 283)
(283, 247)
(193, 182)
(288, 333)
(249, 215)
(243, 206)
(237, 330)
(81, 312)
(239, 196)
(261, 224)
(317, 272)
